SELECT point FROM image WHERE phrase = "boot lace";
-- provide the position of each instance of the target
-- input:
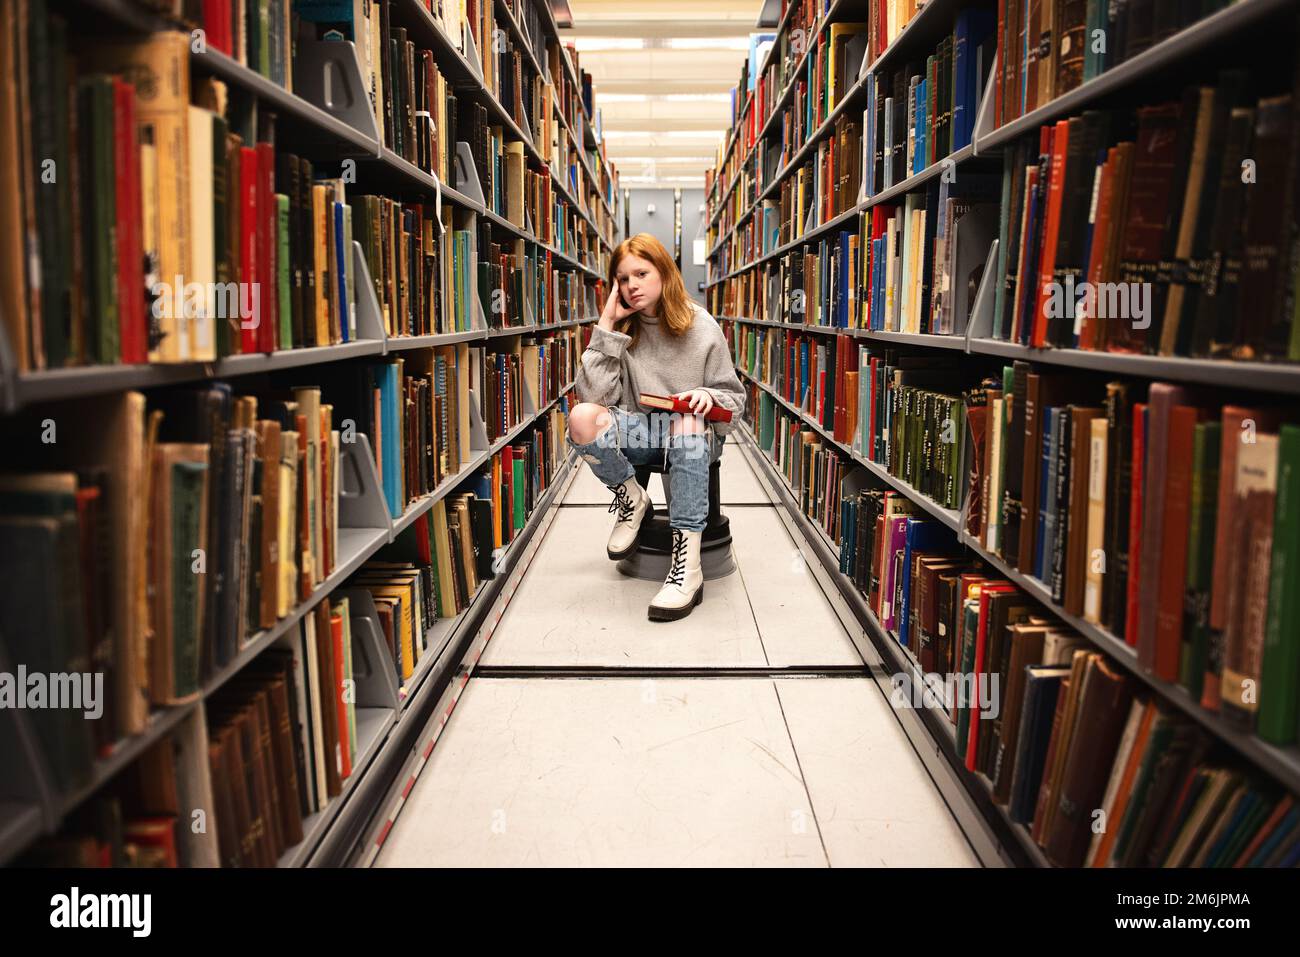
(622, 503)
(677, 571)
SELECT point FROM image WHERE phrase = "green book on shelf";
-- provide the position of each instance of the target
(283, 290)
(263, 37)
(1200, 555)
(99, 214)
(969, 627)
(1281, 666)
(189, 495)
(520, 479)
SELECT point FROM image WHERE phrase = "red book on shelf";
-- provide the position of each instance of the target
(1135, 523)
(981, 665)
(1051, 226)
(1097, 253)
(217, 24)
(340, 695)
(673, 404)
(248, 239)
(130, 226)
(1173, 557)
(267, 227)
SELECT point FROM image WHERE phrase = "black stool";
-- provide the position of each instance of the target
(653, 554)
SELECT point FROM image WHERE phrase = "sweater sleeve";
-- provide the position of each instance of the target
(600, 376)
(721, 381)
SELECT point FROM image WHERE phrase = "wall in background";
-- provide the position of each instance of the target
(660, 224)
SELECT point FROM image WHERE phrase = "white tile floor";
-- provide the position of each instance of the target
(673, 770)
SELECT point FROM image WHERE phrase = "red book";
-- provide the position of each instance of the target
(1051, 226)
(249, 259)
(130, 227)
(1173, 558)
(326, 486)
(1131, 623)
(673, 404)
(981, 643)
(216, 24)
(340, 695)
(155, 832)
(1097, 254)
(267, 229)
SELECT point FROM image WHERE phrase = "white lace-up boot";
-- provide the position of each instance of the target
(630, 504)
(684, 586)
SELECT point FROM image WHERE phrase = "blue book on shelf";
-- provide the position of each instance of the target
(922, 124)
(962, 66)
(803, 374)
(878, 281)
(842, 313)
(887, 170)
(869, 148)
(1046, 509)
(923, 535)
(1045, 459)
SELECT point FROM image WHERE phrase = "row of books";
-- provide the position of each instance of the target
(175, 229)
(231, 520)
(1019, 687)
(924, 110)
(1168, 521)
(895, 411)
(1049, 47)
(830, 71)
(756, 94)
(283, 732)
(1118, 231)
(577, 103)
(828, 64)
(416, 408)
(831, 59)
(1189, 204)
(1135, 515)
(241, 523)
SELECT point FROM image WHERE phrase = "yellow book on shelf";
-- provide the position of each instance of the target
(442, 557)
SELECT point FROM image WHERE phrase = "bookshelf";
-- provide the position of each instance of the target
(327, 130)
(745, 268)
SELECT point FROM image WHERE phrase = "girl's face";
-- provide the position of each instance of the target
(639, 283)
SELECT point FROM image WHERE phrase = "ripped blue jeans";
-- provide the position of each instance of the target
(634, 438)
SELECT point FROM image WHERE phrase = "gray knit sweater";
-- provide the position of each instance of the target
(614, 375)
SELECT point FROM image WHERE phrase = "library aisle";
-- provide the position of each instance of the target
(748, 733)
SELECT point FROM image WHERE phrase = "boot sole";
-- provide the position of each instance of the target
(627, 553)
(673, 614)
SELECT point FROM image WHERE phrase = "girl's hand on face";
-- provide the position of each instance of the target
(701, 401)
(614, 310)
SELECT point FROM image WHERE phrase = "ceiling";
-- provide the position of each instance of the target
(665, 109)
